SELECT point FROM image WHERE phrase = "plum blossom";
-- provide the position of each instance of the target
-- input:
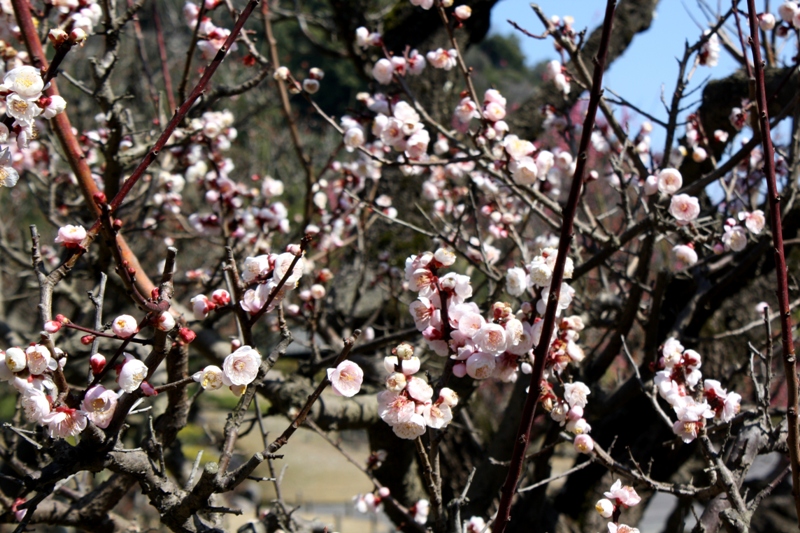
(99, 405)
(132, 373)
(583, 443)
(734, 238)
(605, 507)
(71, 236)
(516, 281)
(35, 404)
(622, 495)
(124, 326)
(26, 81)
(754, 221)
(684, 208)
(669, 181)
(383, 71)
(481, 365)
(685, 254)
(241, 367)
(621, 528)
(346, 378)
(411, 428)
(576, 394)
(65, 422)
(16, 360)
(210, 378)
(444, 59)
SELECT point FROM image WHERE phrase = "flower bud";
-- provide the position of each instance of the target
(604, 507)
(16, 360)
(396, 382)
(281, 73)
(187, 335)
(86, 340)
(404, 351)
(311, 86)
(78, 36)
(52, 326)
(57, 37)
(98, 363)
(316, 73)
(463, 12)
(583, 443)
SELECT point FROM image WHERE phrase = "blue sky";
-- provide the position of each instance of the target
(649, 63)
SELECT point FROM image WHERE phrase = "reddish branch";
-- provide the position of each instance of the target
(774, 198)
(542, 349)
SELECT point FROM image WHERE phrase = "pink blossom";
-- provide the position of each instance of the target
(165, 321)
(346, 378)
(65, 422)
(419, 390)
(35, 404)
(444, 59)
(39, 359)
(241, 367)
(576, 394)
(583, 443)
(221, 297)
(480, 365)
(71, 236)
(463, 12)
(669, 181)
(411, 428)
(621, 528)
(99, 405)
(124, 326)
(491, 338)
(685, 254)
(466, 110)
(394, 408)
(201, 306)
(437, 415)
(622, 495)
(684, 208)
(734, 238)
(754, 221)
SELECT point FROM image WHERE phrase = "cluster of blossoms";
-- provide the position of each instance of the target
(709, 52)
(683, 207)
(407, 404)
(78, 16)
(734, 236)
(239, 369)
(568, 411)
(211, 37)
(263, 273)
(22, 88)
(397, 125)
(557, 73)
(616, 499)
(680, 382)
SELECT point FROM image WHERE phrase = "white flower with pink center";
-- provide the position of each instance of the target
(734, 238)
(26, 81)
(419, 390)
(282, 264)
(440, 58)
(35, 404)
(622, 495)
(437, 415)
(422, 311)
(491, 338)
(394, 408)
(669, 181)
(254, 267)
(71, 236)
(754, 221)
(132, 373)
(410, 429)
(583, 443)
(517, 148)
(685, 254)
(65, 422)
(481, 365)
(124, 326)
(576, 394)
(346, 378)
(99, 405)
(241, 367)
(39, 359)
(684, 208)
